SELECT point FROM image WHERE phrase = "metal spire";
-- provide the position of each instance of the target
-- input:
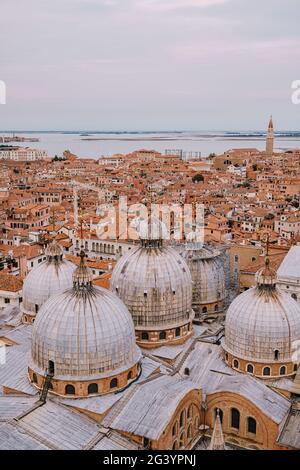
(217, 439)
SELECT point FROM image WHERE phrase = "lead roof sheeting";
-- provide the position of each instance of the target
(211, 374)
(13, 406)
(94, 404)
(60, 426)
(13, 374)
(290, 266)
(12, 438)
(151, 407)
(290, 435)
(115, 442)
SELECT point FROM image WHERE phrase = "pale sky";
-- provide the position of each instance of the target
(149, 64)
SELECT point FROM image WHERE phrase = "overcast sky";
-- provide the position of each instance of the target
(149, 64)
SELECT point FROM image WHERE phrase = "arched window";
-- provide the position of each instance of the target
(235, 418)
(190, 412)
(196, 424)
(236, 364)
(145, 335)
(70, 390)
(177, 332)
(175, 445)
(92, 388)
(216, 308)
(282, 370)
(51, 367)
(189, 433)
(276, 354)
(182, 418)
(226, 356)
(174, 429)
(251, 425)
(34, 378)
(220, 414)
(181, 440)
(266, 371)
(250, 368)
(114, 383)
(162, 335)
(204, 310)
(129, 375)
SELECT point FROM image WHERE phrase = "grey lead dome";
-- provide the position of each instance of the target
(52, 276)
(86, 331)
(262, 320)
(156, 285)
(207, 273)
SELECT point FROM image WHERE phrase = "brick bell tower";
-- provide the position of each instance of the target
(270, 139)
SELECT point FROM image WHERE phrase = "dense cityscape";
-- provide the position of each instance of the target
(150, 343)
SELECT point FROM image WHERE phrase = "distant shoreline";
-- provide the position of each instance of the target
(159, 135)
(171, 139)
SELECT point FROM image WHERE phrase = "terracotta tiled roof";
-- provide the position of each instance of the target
(10, 283)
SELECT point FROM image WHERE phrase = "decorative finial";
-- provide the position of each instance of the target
(266, 276)
(53, 251)
(53, 220)
(81, 228)
(266, 239)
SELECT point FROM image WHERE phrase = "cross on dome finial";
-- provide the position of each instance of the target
(83, 276)
(266, 276)
(53, 250)
(53, 220)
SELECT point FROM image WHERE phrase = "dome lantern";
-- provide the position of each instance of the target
(82, 276)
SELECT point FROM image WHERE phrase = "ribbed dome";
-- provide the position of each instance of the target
(50, 277)
(155, 283)
(87, 332)
(259, 322)
(207, 273)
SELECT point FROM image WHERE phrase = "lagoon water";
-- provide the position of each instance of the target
(108, 144)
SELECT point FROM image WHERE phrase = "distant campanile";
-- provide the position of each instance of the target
(270, 139)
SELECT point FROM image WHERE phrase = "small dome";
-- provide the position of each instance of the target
(82, 276)
(266, 276)
(86, 331)
(50, 277)
(262, 321)
(151, 231)
(207, 274)
(155, 283)
(53, 251)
